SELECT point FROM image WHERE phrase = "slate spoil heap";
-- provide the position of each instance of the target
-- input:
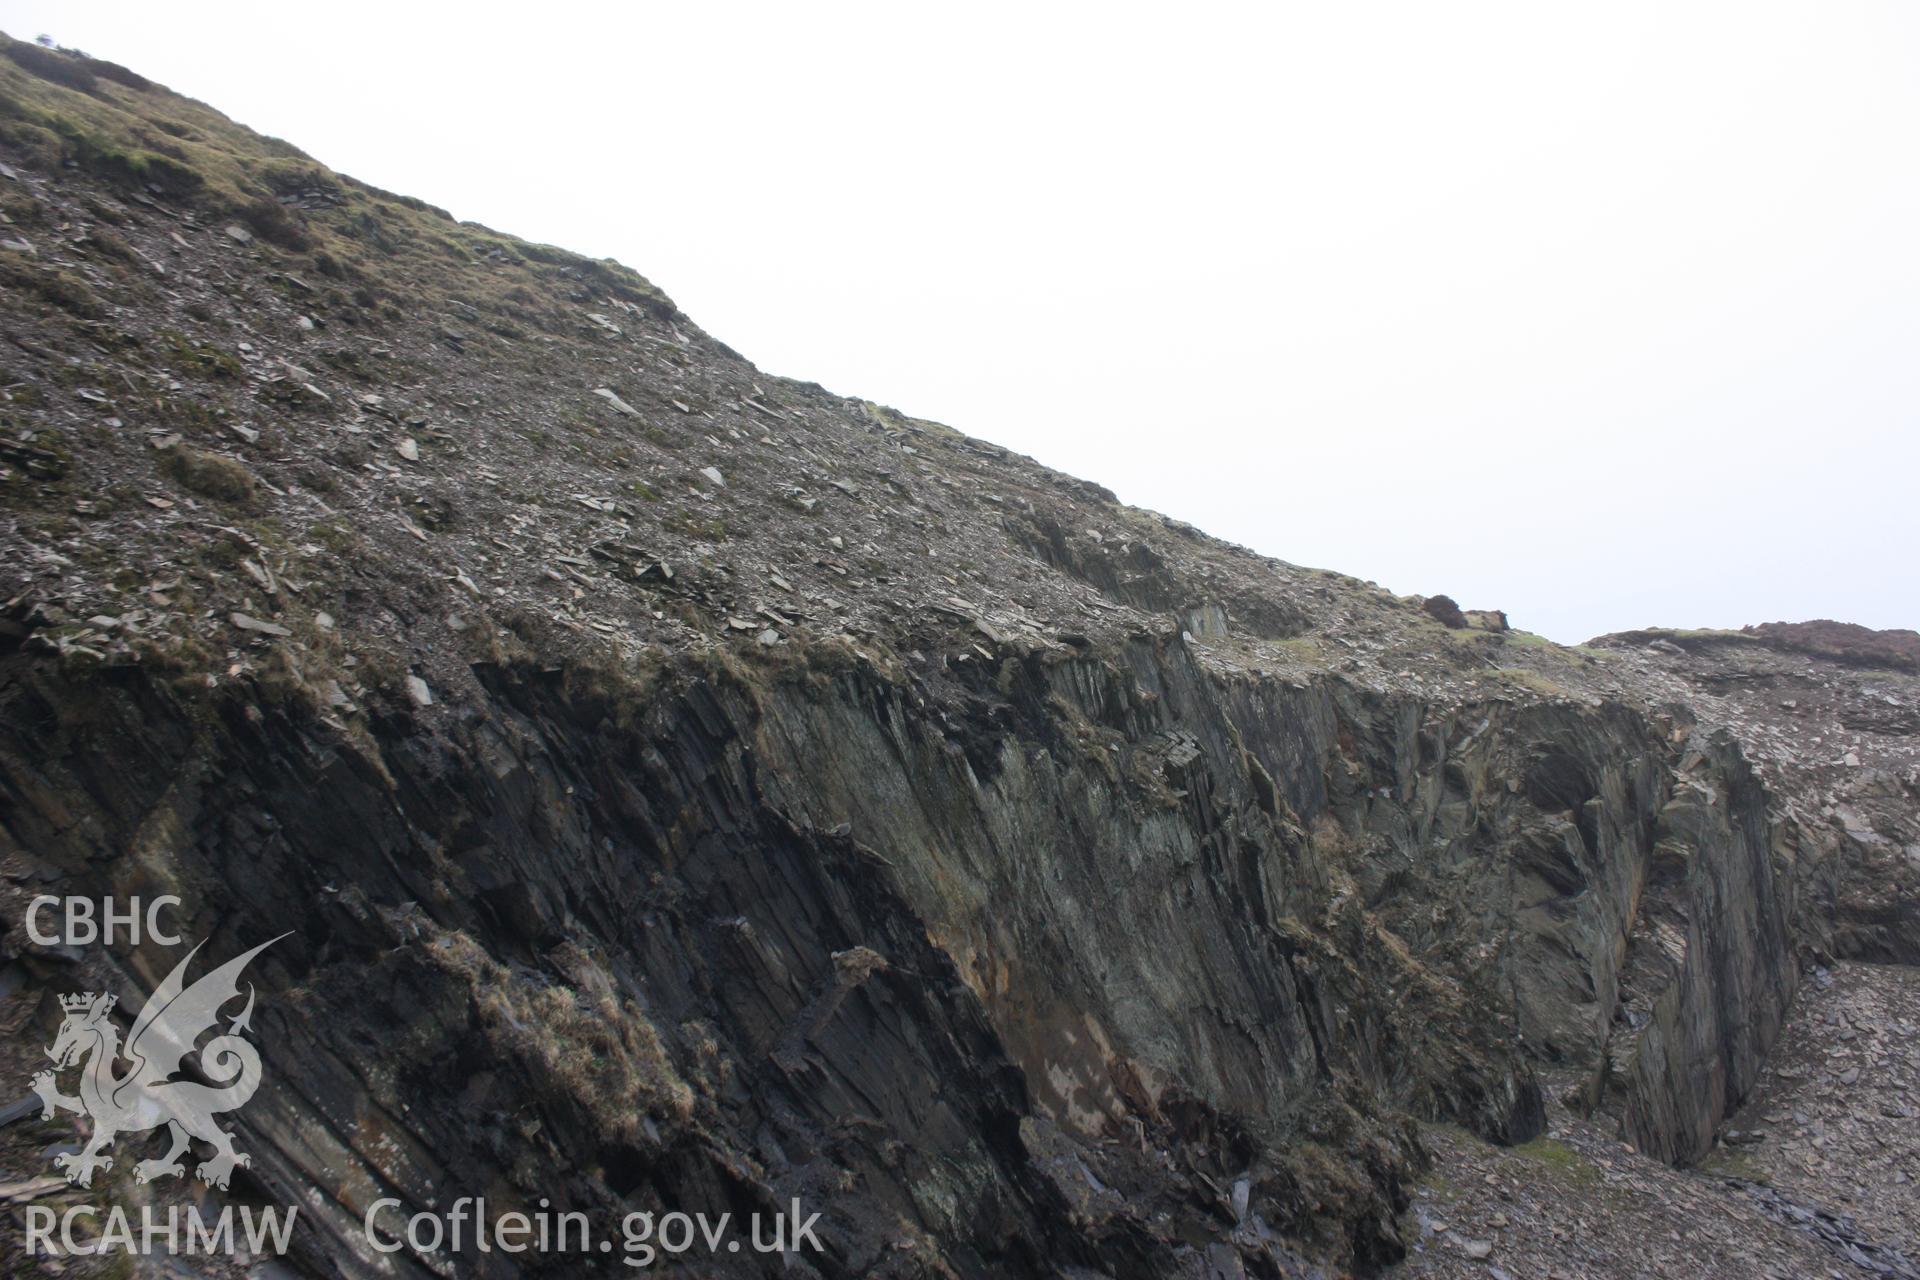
(688, 788)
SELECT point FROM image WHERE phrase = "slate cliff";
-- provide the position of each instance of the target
(689, 788)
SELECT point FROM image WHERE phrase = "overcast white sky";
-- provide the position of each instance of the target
(1605, 314)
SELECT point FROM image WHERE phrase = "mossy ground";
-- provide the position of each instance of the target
(62, 108)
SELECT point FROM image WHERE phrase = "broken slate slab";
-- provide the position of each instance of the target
(247, 622)
(621, 406)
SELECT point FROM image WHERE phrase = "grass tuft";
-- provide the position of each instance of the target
(211, 475)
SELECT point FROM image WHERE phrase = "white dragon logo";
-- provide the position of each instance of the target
(146, 1096)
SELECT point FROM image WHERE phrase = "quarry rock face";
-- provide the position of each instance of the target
(686, 788)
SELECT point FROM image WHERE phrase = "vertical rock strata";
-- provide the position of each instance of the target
(1136, 933)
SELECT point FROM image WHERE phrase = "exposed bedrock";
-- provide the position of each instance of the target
(1004, 965)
